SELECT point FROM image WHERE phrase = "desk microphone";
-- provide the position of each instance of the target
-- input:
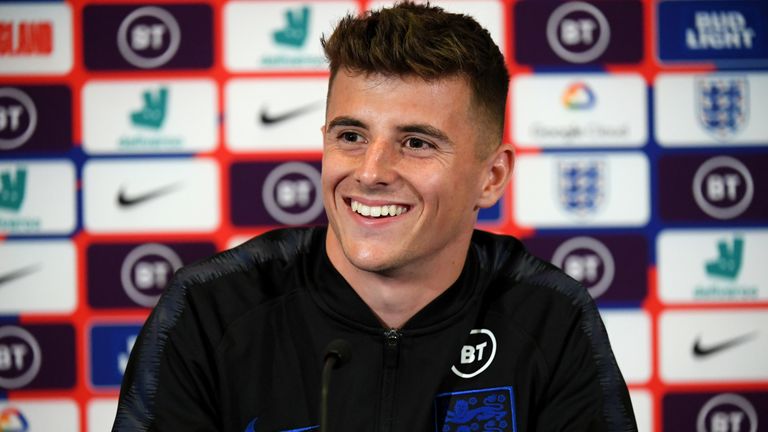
(337, 353)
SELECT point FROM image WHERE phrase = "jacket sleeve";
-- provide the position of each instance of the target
(585, 390)
(168, 384)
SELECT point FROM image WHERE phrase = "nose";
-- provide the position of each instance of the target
(377, 166)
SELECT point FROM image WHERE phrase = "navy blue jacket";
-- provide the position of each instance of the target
(237, 341)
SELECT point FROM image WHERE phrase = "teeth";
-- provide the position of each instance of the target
(377, 211)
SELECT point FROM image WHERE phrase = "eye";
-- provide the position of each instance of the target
(350, 137)
(417, 144)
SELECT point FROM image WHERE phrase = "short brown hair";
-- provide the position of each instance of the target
(425, 41)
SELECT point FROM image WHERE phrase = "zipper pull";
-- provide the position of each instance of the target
(391, 348)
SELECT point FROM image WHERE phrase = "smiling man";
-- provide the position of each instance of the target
(449, 328)
(403, 183)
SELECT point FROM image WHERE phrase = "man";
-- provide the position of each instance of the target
(449, 329)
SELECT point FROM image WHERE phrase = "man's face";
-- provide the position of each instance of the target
(402, 182)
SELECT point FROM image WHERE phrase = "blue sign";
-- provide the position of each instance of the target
(713, 31)
(491, 214)
(110, 347)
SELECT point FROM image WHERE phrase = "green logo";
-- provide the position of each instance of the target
(728, 263)
(12, 192)
(152, 114)
(294, 33)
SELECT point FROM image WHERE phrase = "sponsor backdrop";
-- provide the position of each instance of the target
(136, 138)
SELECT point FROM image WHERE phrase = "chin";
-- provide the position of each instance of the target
(369, 261)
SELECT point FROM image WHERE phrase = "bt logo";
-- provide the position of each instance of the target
(583, 267)
(148, 37)
(18, 118)
(589, 261)
(146, 271)
(727, 412)
(477, 354)
(291, 193)
(578, 32)
(469, 353)
(20, 357)
(723, 187)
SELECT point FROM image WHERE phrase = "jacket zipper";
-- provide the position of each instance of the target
(391, 360)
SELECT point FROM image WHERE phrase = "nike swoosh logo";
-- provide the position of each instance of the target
(704, 351)
(18, 274)
(268, 120)
(129, 201)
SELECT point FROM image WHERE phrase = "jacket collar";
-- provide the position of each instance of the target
(336, 297)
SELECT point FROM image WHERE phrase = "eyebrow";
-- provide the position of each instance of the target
(346, 121)
(426, 130)
(412, 128)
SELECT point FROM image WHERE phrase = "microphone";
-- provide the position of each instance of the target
(337, 354)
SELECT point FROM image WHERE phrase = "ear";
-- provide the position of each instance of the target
(498, 172)
(322, 136)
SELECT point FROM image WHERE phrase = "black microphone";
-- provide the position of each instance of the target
(337, 354)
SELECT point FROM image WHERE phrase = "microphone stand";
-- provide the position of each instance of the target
(337, 353)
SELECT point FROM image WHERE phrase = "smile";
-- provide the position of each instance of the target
(377, 211)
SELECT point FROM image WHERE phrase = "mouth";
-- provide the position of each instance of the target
(377, 211)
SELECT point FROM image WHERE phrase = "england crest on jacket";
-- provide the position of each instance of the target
(722, 105)
(489, 409)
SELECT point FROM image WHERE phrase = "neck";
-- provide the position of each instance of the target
(396, 295)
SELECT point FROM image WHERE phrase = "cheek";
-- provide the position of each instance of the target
(332, 171)
(445, 180)
(453, 191)
(328, 184)
(336, 165)
(427, 182)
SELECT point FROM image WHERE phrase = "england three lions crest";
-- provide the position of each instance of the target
(490, 409)
(722, 104)
(582, 186)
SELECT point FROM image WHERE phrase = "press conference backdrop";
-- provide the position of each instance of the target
(136, 138)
